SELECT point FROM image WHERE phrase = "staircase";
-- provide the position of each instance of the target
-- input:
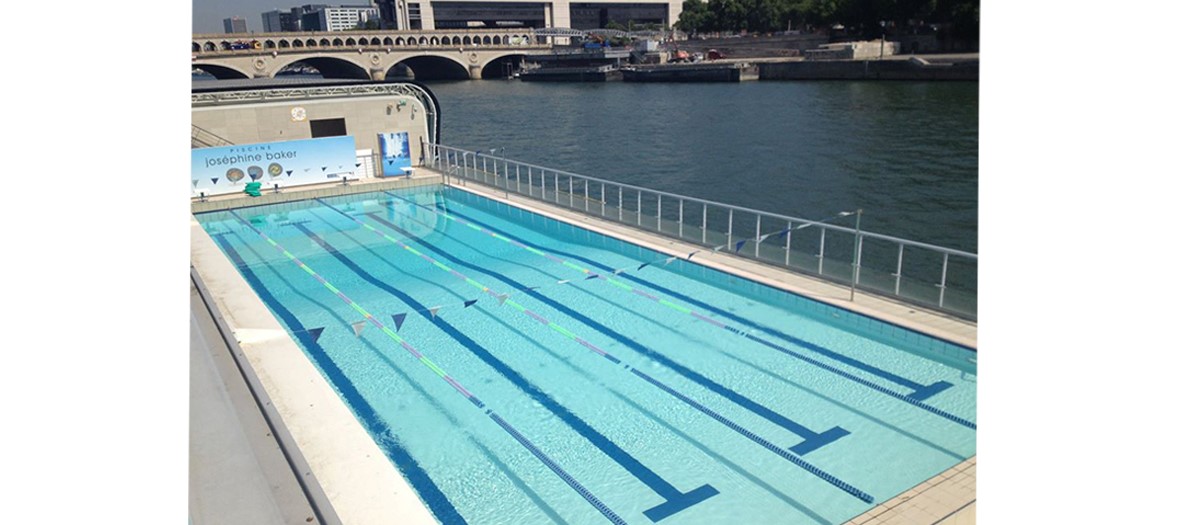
(203, 138)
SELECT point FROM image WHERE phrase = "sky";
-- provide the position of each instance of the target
(208, 14)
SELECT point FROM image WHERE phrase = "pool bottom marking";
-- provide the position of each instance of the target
(434, 497)
(921, 392)
(812, 440)
(540, 455)
(820, 438)
(675, 501)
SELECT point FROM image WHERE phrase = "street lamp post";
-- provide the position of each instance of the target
(882, 40)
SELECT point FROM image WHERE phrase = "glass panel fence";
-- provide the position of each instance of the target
(922, 274)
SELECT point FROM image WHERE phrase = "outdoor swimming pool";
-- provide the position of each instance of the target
(518, 369)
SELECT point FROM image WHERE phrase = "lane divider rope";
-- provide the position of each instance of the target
(705, 318)
(520, 438)
(504, 299)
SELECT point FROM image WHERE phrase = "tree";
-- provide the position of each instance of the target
(694, 17)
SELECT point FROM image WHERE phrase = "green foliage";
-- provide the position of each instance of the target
(859, 16)
(694, 17)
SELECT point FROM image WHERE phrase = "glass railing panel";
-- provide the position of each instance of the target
(811, 249)
(921, 292)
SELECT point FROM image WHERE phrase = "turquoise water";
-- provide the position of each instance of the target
(670, 393)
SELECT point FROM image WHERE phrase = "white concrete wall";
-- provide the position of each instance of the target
(364, 118)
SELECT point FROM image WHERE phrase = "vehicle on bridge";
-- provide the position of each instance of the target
(242, 44)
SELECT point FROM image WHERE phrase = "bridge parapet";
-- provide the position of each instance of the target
(235, 44)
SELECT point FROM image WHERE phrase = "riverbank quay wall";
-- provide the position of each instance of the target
(756, 47)
(914, 68)
(691, 73)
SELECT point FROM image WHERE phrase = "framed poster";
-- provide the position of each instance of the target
(395, 152)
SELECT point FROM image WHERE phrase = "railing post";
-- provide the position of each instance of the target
(942, 284)
(823, 233)
(897, 282)
(659, 212)
(704, 224)
(571, 185)
(729, 232)
(602, 198)
(787, 248)
(856, 259)
(639, 208)
(757, 234)
(542, 185)
(530, 181)
(680, 219)
(518, 178)
(620, 204)
(586, 195)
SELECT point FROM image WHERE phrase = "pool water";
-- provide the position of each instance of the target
(518, 369)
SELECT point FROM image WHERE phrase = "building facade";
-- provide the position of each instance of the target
(276, 21)
(344, 18)
(321, 17)
(235, 25)
(463, 14)
(452, 14)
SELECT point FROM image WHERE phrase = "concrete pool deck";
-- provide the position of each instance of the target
(350, 479)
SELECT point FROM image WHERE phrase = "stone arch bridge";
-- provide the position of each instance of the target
(455, 54)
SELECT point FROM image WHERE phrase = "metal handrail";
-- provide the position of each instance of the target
(566, 193)
(208, 138)
(916, 244)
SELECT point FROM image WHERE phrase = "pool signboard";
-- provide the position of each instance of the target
(395, 152)
(227, 169)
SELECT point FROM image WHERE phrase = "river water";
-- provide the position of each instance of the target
(907, 153)
(904, 152)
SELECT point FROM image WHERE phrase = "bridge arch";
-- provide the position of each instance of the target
(434, 67)
(387, 41)
(337, 42)
(328, 66)
(501, 66)
(269, 44)
(350, 42)
(466, 40)
(220, 71)
(363, 41)
(399, 42)
(434, 41)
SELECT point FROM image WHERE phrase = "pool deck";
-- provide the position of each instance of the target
(345, 476)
